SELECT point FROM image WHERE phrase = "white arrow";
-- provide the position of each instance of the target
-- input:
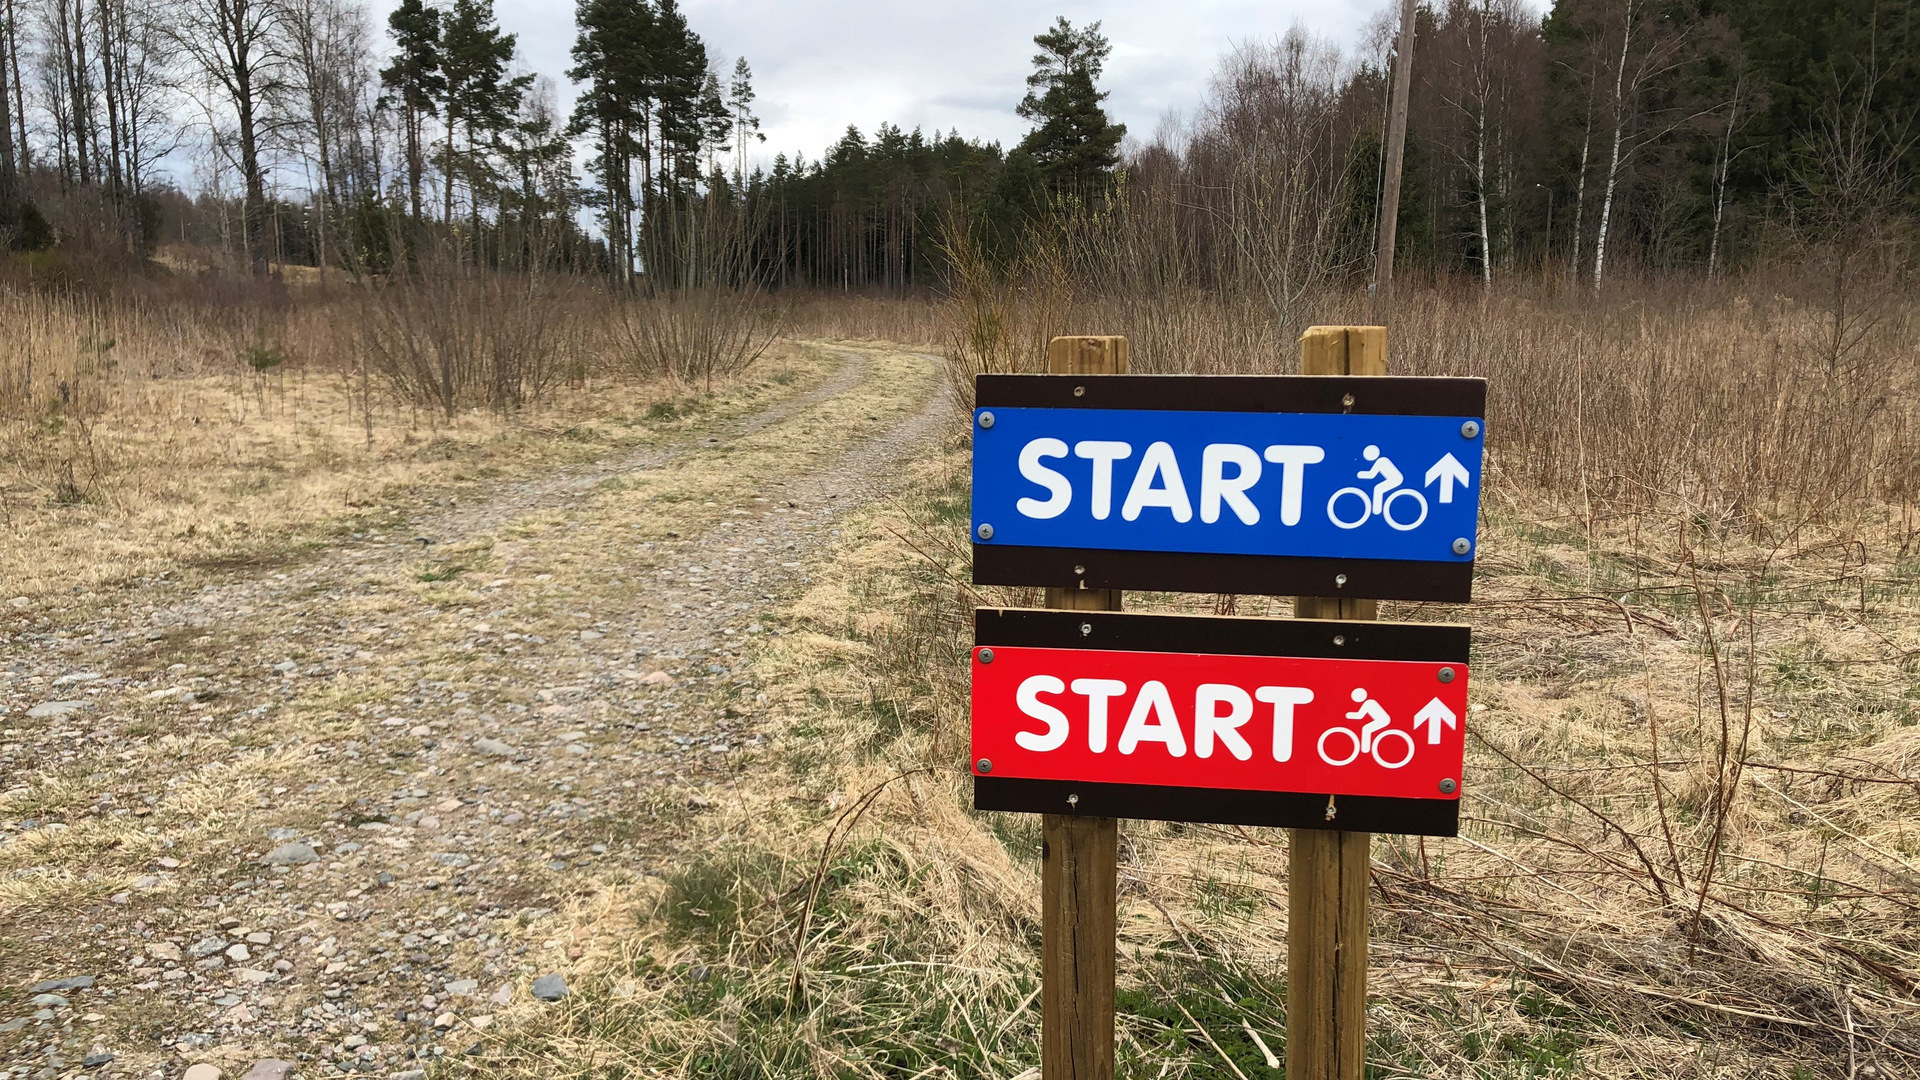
(1449, 471)
(1433, 714)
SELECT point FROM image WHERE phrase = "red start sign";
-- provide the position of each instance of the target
(1299, 707)
(1263, 723)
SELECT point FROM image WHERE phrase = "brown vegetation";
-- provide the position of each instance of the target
(1686, 851)
(208, 421)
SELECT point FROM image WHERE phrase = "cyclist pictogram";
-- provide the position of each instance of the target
(1370, 738)
(1386, 493)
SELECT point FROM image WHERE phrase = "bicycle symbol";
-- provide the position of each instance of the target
(1385, 494)
(1371, 736)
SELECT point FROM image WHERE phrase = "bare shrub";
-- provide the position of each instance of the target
(453, 341)
(1712, 399)
(702, 309)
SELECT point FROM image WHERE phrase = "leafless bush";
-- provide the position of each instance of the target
(454, 341)
(702, 310)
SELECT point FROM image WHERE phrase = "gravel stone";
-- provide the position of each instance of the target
(53, 986)
(53, 710)
(291, 855)
(550, 987)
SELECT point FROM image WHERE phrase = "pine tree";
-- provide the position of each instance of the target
(414, 80)
(614, 55)
(745, 125)
(474, 58)
(715, 122)
(1074, 144)
(680, 60)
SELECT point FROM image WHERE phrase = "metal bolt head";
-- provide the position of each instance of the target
(986, 419)
(984, 765)
(1447, 786)
(1086, 628)
(985, 532)
(1339, 581)
(1347, 400)
(1446, 674)
(1339, 639)
(986, 656)
(1079, 391)
(1470, 429)
(1461, 545)
(1073, 800)
(1079, 571)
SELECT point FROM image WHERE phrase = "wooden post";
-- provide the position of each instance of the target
(1079, 856)
(1328, 870)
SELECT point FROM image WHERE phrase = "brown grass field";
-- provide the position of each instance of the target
(1688, 851)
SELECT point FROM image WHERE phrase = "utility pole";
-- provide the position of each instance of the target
(1395, 149)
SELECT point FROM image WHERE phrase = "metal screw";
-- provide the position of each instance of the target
(1347, 400)
(1079, 570)
(1461, 545)
(1339, 639)
(1449, 786)
(1073, 800)
(986, 533)
(1469, 429)
(986, 656)
(1086, 628)
(983, 765)
(1339, 581)
(1079, 391)
(1446, 674)
(986, 419)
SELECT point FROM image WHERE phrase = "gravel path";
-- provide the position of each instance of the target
(334, 815)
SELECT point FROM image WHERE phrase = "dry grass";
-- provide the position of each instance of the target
(137, 437)
(1687, 849)
(1563, 934)
(1761, 402)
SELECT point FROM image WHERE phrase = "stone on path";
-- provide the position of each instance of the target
(291, 855)
(463, 987)
(550, 987)
(95, 1060)
(658, 678)
(269, 1069)
(54, 986)
(202, 1071)
(50, 710)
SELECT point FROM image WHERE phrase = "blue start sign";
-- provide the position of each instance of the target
(1335, 495)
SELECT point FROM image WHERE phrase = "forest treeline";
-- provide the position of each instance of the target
(1666, 135)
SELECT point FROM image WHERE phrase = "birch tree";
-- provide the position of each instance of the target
(230, 42)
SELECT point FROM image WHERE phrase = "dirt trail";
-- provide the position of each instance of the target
(327, 814)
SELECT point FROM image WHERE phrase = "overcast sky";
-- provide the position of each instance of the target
(819, 65)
